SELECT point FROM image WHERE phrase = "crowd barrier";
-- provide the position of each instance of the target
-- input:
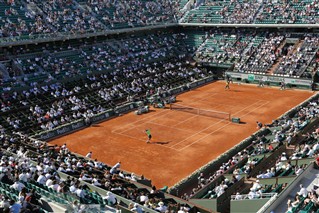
(182, 186)
(273, 80)
(61, 130)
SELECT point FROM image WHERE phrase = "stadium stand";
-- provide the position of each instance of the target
(223, 12)
(78, 180)
(46, 85)
(22, 18)
(253, 12)
(258, 160)
(298, 58)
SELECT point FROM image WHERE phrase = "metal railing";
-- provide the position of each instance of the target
(269, 202)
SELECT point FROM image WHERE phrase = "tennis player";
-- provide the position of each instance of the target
(227, 84)
(149, 135)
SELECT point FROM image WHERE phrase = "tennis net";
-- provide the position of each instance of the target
(203, 112)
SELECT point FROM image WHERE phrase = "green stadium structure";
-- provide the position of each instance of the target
(111, 48)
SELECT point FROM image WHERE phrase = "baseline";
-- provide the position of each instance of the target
(171, 127)
(144, 141)
(156, 115)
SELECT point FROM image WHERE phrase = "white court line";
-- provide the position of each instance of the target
(197, 133)
(210, 106)
(212, 125)
(206, 97)
(148, 121)
(194, 100)
(221, 127)
(171, 127)
(144, 141)
(156, 115)
(165, 112)
(184, 120)
(135, 138)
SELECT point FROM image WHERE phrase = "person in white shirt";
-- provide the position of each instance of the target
(220, 191)
(39, 167)
(251, 194)
(115, 168)
(316, 146)
(42, 179)
(283, 157)
(79, 164)
(49, 175)
(267, 174)
(279, 165)
(73, 189)
(29, 174)
(23, 177)
(17, 186)
(96, 182)
(238, 196)
(310, 153)
(257, 185)
(49, 182)
(98, 164)
(137, 208)
(90, 163)
(80, 192)
(89, 155)
(295, 156)
(32, 168)
(85, 177)
(181, 210)
(161, 207)
(143, 198)
(299, 170)
(110, 198)
(303, 191)
(54, 185)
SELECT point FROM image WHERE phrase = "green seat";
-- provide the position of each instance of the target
(308, 208)
(278, 188)
(207, 195)
(101, 202)
(164, 189)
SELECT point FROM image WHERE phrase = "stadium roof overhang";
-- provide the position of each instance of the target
(309, 26)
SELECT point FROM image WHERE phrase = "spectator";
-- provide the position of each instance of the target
(161, 207)
(115, 168)
(238, 196)
(303, 191)
(259, 125)
(17, 185)
(110, 198)
(89, 155)
(15, 207)
(137, 208)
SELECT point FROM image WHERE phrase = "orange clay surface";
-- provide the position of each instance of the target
(182, 142)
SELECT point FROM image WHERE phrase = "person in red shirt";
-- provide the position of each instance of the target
(270, 147)
(317, 160)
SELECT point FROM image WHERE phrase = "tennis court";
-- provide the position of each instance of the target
(183, 142)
